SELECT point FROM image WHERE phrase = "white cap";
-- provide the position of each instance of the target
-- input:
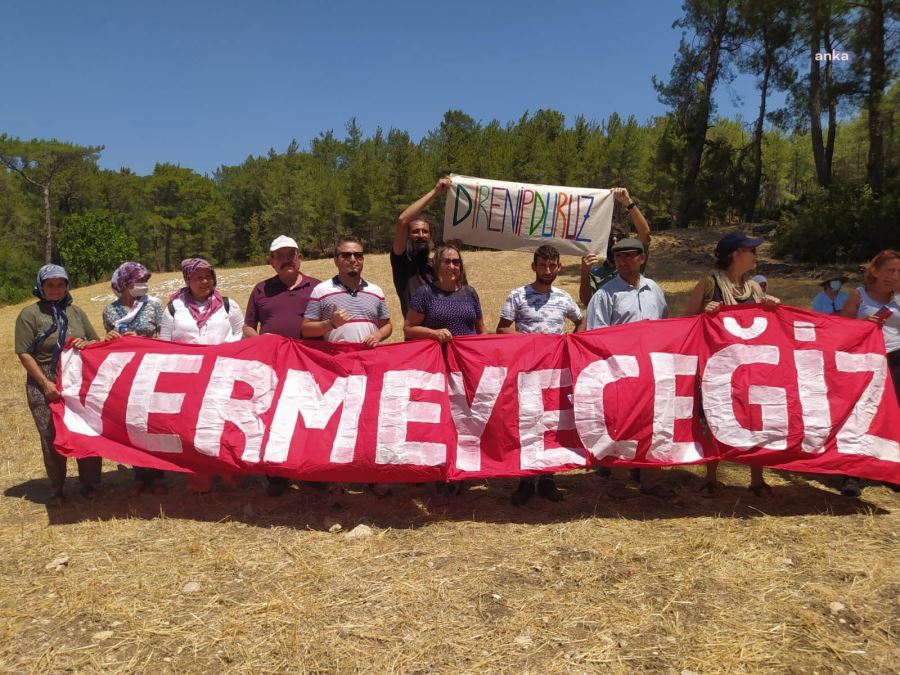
(760, 279)
(283, 242)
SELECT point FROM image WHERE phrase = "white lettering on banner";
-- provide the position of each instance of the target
(302, 396)
(145, 400)
(852, 438)
(813, 399)
(87, 419)
(535, 421)
(471, 420)
(590, 418)
(219, 407)
(757, 328)
(395, 413)
(668, 408)
(719, 400)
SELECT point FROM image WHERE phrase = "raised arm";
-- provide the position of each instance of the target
(401, 232)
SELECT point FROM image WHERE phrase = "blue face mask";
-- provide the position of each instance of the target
(835, 284)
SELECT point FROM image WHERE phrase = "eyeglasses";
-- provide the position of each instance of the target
(346, 255)
(453, 262)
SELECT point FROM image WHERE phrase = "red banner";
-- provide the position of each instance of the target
(773, 386)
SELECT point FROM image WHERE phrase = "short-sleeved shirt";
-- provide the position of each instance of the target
(618, 302)
(146, 323)
(607, 270)
(366, 307)
(410, 274)
(457, 311)
(536, 312)
(36, 318)
(277, 309)
(822, 303)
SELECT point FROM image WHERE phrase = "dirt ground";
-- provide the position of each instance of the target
(803, 581)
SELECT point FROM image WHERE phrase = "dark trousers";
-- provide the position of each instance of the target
(88, 468)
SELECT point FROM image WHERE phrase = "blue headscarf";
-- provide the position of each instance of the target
(57, 308)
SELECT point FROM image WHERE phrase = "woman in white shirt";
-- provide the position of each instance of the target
(878, 300)
(198, 314)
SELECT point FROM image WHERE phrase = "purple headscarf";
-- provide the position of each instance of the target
(188, 267)
(127, 275)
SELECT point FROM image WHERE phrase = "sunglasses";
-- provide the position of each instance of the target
(346, 255)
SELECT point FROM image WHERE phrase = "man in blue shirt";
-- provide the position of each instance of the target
(626, 298)
(629, 296)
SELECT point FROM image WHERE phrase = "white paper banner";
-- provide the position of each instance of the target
(520, 216)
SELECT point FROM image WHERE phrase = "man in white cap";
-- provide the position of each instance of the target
(277, 305)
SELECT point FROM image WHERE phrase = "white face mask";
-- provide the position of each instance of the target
(140, 290)
(835, 284)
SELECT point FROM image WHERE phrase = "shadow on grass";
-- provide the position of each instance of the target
(409, 506)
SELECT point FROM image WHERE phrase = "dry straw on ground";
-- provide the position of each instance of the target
(804, 581)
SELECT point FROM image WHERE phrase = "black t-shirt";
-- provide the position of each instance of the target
(409, 275)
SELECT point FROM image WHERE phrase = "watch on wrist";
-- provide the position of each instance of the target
(630, 206)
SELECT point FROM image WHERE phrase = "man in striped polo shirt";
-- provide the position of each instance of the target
(347, 308)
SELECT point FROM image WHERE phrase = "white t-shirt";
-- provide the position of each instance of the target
(221, 327)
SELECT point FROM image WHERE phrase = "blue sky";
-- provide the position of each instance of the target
(203, 84)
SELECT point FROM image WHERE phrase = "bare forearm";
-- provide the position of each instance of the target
(314, 329)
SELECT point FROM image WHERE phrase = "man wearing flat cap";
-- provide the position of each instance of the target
(276, 305)
(831, 299)
(628, 297)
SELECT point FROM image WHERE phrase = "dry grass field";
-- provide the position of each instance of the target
(804, 581)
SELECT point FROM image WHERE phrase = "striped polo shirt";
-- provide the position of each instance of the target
(365, 305)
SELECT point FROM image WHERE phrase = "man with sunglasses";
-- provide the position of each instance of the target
(347, 308)
(594, 272)
(628, 297)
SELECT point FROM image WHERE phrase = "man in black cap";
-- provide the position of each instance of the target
(595, 273)
(628, 297)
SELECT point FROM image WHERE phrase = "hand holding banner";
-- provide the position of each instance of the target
(519, 216)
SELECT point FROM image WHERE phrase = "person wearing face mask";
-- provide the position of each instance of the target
(41, 332)
(831, 299)
(135, 313)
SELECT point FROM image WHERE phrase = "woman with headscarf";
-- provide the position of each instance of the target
(878, 300)
(730, 284)
(41, 332)
(135, 313)
(199, 314)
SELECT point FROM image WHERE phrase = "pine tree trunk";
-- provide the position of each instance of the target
(48, 225)
(875, 95)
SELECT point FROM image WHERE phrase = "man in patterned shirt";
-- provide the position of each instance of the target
(539, 308)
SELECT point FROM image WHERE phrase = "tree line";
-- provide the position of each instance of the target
(824, 165)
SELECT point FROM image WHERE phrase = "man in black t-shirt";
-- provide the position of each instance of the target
(412, 245)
